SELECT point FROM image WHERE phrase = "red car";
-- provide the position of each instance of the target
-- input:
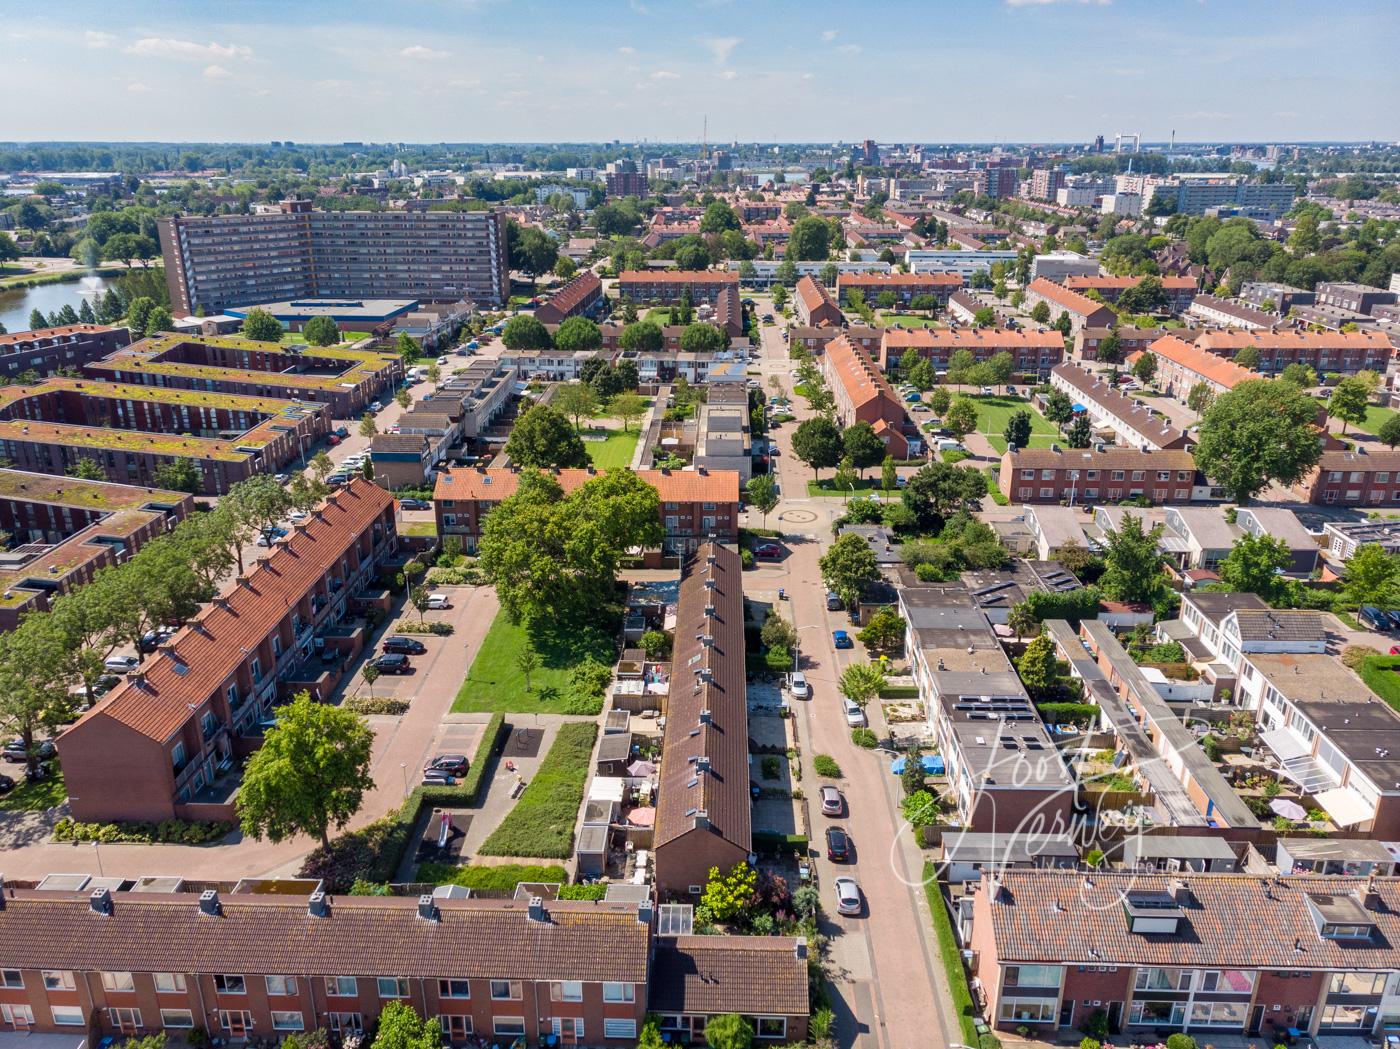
(1395, 650)
(332, 440)
(768, 550)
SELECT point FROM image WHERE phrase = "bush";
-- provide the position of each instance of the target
(542, 822)
(1069, 713)
(864, 737)
(413, 626)
(772, 767)
(1180, 1041)
(746, 558)
(457, 575)
(1355, 655)
(376, 705)
(167, 832)
(502, 879)
(825, 765)
(592, 891)
(656, 644)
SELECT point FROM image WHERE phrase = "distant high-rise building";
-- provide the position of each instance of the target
(625, 183)
(995, 182)
(1098, 143)
(1046, 182)
(867, 153)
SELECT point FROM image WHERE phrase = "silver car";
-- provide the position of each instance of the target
(847, 896)
(831, 801)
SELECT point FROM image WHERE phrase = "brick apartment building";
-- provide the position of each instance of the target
(63, 530)
(1178, 290)
(1182, 366)
(1130, 340)
(221, 261)
(815, 307)
(1213, 955)
(130, 431)
(695, 504)
(238, 961)
(666, 287)
(48, 349)
(165, 744)
(814, 339)
(1035, 352)
(625, 183)
(1358, 477)
(863, 394)
(1108, 408)
(703, 818)
(905, 286)
(580, 297)
(1083, 312)
(1092, 475)
(1323, 351)
(345, 379)
(1359, 298)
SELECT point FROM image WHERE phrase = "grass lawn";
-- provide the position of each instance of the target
(616, 449)
(907, 320)
(993, 413)
(542, 822)
(506, 876)
(1376, 417)
(494, 682)
(34, 797)
(1379, 673)
(826, 487)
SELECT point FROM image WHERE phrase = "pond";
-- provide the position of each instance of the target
(16, 304)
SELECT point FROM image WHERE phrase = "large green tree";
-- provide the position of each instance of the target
(703, 338)
(809, 241)
(761, 493)
(576, 400)
(577, 334)
(1132, 561)
(940, 489)
(321, 331)
(1349, 401)
(849, 567)
(523, 332)
(817, 442)
(1260, 432)
(258, 325)
(641, 337)
(400, 1027)
(309, 775)
(543, 438)
(1254, 564)
(1373, 577)
(863, 446)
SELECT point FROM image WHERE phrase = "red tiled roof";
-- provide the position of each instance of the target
(915, 280)
(204, 654)
(858, 375)
(1207, 365)
(1069, 300)
(813, 294)
(1085, 282)
(753, 975)
(1112, 457)
(679, 276)
(971, 338)
(1287, 340)
(570, 295)
(674, 486)
(49, 333)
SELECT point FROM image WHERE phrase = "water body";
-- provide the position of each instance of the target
(18, 303)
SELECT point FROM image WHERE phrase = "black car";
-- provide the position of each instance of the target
(448, 764)
(391, 664)
(414, 504)
(838, 845)
(407, 646)
(7, 784)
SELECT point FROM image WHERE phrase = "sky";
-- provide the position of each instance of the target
(762, 70)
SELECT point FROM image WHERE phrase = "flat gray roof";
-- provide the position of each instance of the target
(1168, 846)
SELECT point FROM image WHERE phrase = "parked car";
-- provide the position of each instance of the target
(838, 845)
(342, 431)
(833, 601)
(798, 686)
(1393, 614)
(376, 407)
(855, 716)
(414, 504)
(438, 601)
(121, 664)
(841, 639)
(831, 801)
(7, 784)
(451, 764)
(436, 778)
(393, 663)
(771, 551)
(912, 396)
(950, 445)
(1374, 618)
(442, 362)
(333, 440)
(153, 639)
(281, 478)
(407, 646)
(1395, 650)
(847, 896)
(15, 752)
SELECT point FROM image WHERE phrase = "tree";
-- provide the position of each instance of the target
(1018, 429)
(885, 631)
(1036, 666)
(1079, 434)
(533, 251)
(1261, 431)
(370, 673)
(1132, 561)
(1000, 368)
(37, 320)
(762, 494)
(961, 417)
(407, 349)
(939, 400)
(322, 466)
(1248, 357)
(321, 331)
(542, 438)
(912, 779)
(577, 334)
(256, 506)
(780, 296)
(1201, 397)
(940, 489)
(703, 338)
(310, 773)
(861, 682)
(1111, 349)
(849, 567)
(1145, 367)
(368, 427)
(1300, 375)
(729, 895)
(829, 273)
(258, 325)
(625, 407)
(817, 442)
(1022, 621)
(1373, 577)
(985, 317)
(527, 661)
(576, 400)
(863, 446)
(718, 217)
(523, 332)
(88, 469)
(35, 676)
(1254, 564)
(138, 311)
(403, 398)
(728, 1031)
(641, 337)
(181, 475)
(1040, 312)
(401, 1028)
(1390, 431)
(1349, 401)
(9, 250)
(1059, 409)
(778, 635)
(809, 241)
(1144, 297)
(158, 320)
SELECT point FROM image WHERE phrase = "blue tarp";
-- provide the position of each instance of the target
(1078, 407)
(932, 763)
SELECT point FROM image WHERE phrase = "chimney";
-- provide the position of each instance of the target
(209, 903)
(1371, 899)
(318, 905)
(427, 909)
(101, 901)
(243, 580)
(537, 912)
(1181, 892)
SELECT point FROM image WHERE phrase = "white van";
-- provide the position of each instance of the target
(438, 601)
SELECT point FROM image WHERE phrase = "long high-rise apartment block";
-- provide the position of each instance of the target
(221, 261)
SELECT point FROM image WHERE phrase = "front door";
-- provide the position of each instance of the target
(127, 1021)
(1115, 1016)
(1067, 1013)
(237, 1022)
(1256, 1020)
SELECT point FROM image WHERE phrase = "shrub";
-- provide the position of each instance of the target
(825, 765)
(1180, 1041)
(456, 575)
(413, 626)
(864, 737)
(592, 891)
(167, 832)
(503, 878)
(1069, 713)
(656, 644)
(920, 809)
(772, 767)
(746, 558)
(1354, 655)
(376, 705)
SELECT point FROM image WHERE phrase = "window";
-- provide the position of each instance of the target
(1227, 981)
(1171, 1014)
(1137, 475)
(1091, 475)
(281, 984)
(177, 756)
(508, 1026)
(772, 1027)
(67, 1015)
(1340, 931)
(1028, 475)
(341, 986)
(1117, 475)
(1219, 1014)
(182, 1018)
(17, 1015)
(230, 984)
(454, 989)
(58, 980)
(348, 1023)
(287, 1021)
(456, 1028)
(1032, 976)
(1027, 1010)
(566, 991)
(1357, 983)
(11, 978)
(1152, 979)
(125, 1020)
(393, 986)
(171, 983)
(505, 990)
(618, 992)
(626, 1029)
(1343, 1016)
(118, 982)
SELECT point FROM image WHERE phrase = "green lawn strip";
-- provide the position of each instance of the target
(542, 822)
(494, 682)
(951, 956)
(993, 489)
(826, 487)
(1376, 417)
(503, 878)
(1379, 674)
(904, 320)
(34, 797)
(614, 451)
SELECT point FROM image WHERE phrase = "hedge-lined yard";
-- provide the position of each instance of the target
(505, 877)
(542, 822)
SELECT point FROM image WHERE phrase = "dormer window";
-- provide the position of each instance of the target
(1340, 917)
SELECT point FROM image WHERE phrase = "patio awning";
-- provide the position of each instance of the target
(1345, 806)
(1285, 744)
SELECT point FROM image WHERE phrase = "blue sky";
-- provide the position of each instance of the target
(805, 70)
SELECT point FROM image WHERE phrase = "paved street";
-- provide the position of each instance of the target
(889, 998)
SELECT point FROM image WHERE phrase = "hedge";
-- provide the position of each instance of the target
(169, 832)
(900, 692)
(505, 877)
(373, 853)
(950, 954)
(769, 839)
(542, 821)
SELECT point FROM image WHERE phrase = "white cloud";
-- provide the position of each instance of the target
(728, 74)
(167, 47)
(639, 7)
(850, 49)
(419, 51)
(1047, 3)
(624, 50)
(216, 73)
(137, 88)
(721, 46)
(828, 35)
(331, 85)
(96, 40)
(665, 74)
